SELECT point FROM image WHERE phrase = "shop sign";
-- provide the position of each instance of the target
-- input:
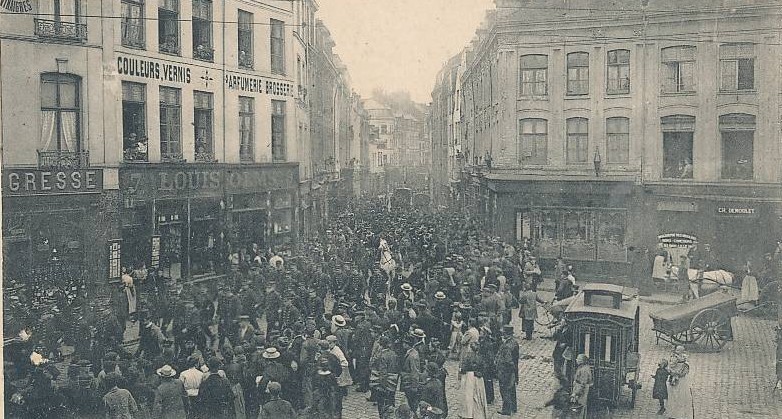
(737, 210)
(252, 84)
(674, 240)
(148, 68)
(115, 257)
(50, 182)
(17, 6)
(154, 262)
(150, 183)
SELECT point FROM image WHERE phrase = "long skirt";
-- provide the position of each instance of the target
(679, 404)
(749, 289)
(474, 397)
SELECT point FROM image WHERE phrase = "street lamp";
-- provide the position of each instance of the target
(597, 162)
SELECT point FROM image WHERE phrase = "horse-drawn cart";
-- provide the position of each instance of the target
(705, 320)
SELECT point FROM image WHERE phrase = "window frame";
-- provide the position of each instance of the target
(126, 41)
(735, 59)
(278, 120)
(247, 131)
(617, 66)
(167, 127)
(679, 63)
(579, 141)
(536, 158)
(581, 74)
(534, 70)
(203, 107)
(59, 80)
(173, 16)
(142, 106)
(277, 61)
(245, 28)
(678, 125)
(623, 138)
(730, 172)
(205, 25)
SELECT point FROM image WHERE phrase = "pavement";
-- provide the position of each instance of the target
(735, 383)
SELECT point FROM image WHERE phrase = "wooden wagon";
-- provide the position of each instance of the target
(705, 320)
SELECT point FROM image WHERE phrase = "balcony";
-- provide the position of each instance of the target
(172, 158)
(170, 47)
(61, 30)
(205, 157)
(63, 159)
(204, 53)
(245, 60)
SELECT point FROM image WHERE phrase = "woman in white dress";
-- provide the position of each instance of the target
(679, 393)
(749, 287)
(471, 384)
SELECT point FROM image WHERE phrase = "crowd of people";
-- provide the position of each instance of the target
(289, 333)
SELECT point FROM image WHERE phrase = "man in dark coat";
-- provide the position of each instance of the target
(215, 398)
(433, 391)
(361, 349)
(507, 363)
(276, 408)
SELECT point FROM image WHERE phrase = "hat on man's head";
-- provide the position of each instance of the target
(407, 287)
(338, 321)
(418, 333)
(439, 295)
(166, 371)
(331, 338)
(271, 353)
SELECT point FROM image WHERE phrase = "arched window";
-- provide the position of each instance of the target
(533, 74)
(678, 69)
(533, 141)
(618, 140)
(577, 140)
(578, 73)
(678, 133)
(618, 72)
(737, 67)
(738, 135)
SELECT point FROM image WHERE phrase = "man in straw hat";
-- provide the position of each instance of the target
(170, 395)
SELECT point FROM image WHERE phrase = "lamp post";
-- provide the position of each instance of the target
(597, 162)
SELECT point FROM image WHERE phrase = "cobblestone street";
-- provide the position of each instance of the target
(735, 383)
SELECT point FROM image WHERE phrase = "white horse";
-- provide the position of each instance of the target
(387, 262)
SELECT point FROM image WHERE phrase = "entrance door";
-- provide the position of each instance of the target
(606, 365)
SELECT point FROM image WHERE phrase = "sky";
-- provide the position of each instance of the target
(400, 44)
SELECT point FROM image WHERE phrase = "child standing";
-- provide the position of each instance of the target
(660, 389)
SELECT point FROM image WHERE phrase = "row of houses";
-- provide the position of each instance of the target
(593, 129)
(169, 133)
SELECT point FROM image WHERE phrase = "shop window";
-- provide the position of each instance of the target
(738, 132)
(170, 124)
(133, 23)
(678, 69)
(202, 30)
(246, 130)
(60, 112)
(134, 122)
(577, 140)
(203, 116)
(534, 141)
(171, 219)
(618, 140)
(611, 228)
(278, 130)
(578, 73)
(245, 44)
(204, 237)
(618, 69)
(533, 71)
(278, 46)
(678, 133)
(168, 26)
(737, 67)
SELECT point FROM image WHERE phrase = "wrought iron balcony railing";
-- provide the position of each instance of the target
(61, 30)
(204, 53)
(205, 157)
(172, 158)
(170, 47)
(63, 159)
(246, 61)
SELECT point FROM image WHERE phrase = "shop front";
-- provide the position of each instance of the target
(52, 219)
(186, 220)
(585, 223)
(728, 232)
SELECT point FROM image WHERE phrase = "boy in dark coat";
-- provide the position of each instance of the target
(660, 388)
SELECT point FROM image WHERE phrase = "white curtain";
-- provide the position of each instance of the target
(68, 120)
(47, 129)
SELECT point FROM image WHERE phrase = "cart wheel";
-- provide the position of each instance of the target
(545, 317)
(768, 299)
(711, 329)
(684, 337)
